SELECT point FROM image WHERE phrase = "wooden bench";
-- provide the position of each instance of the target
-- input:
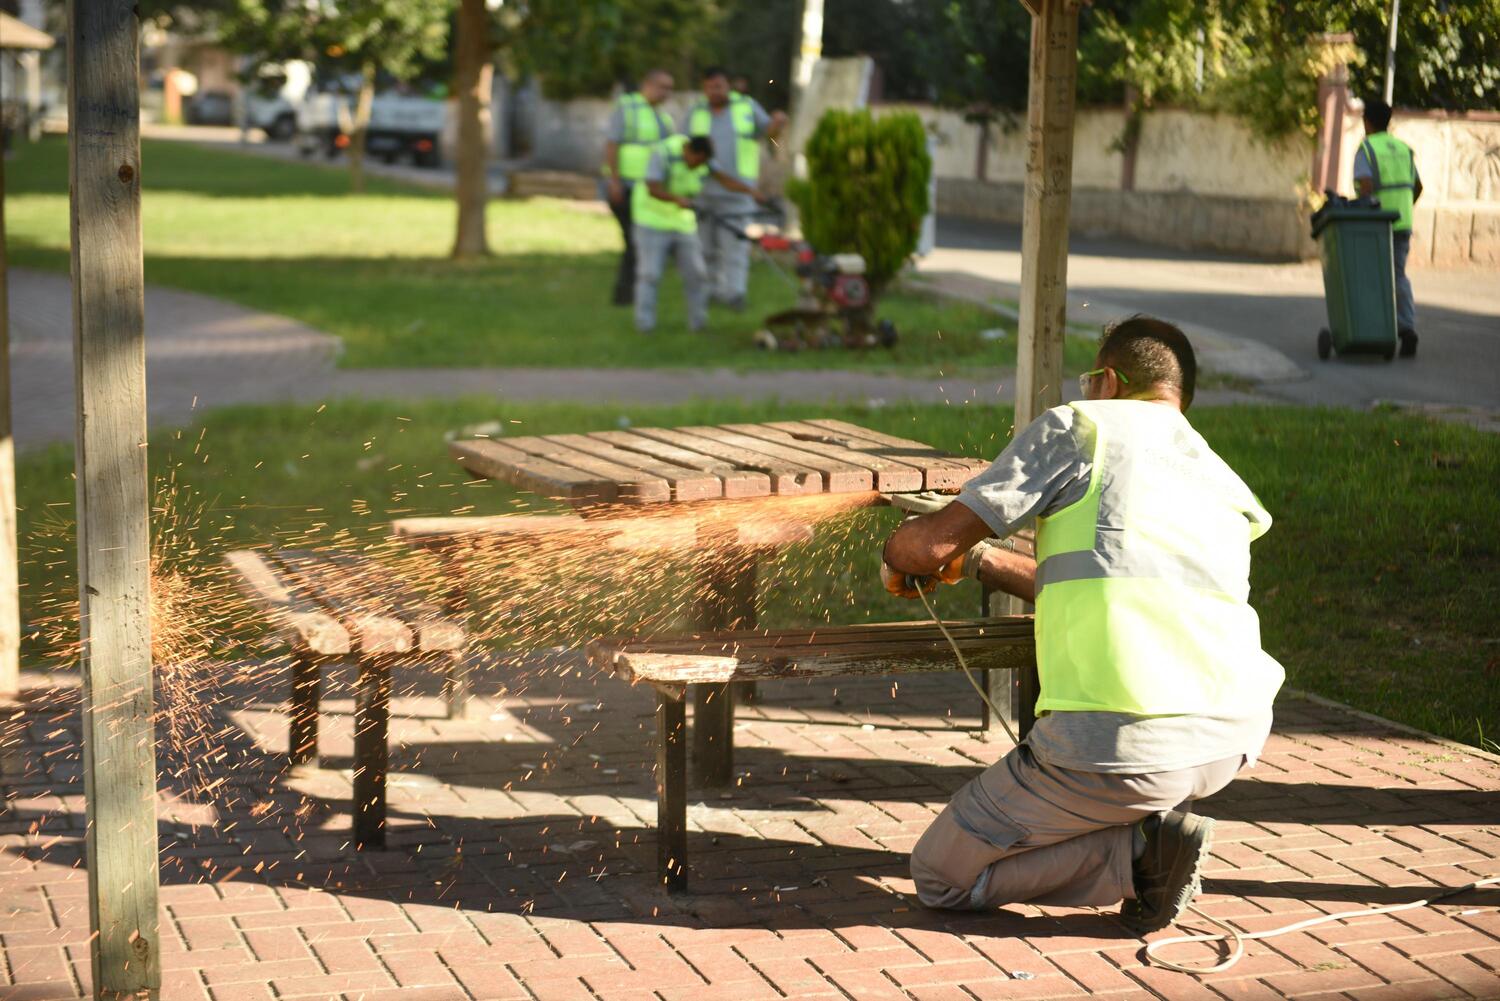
(327, 607)
(673, 664)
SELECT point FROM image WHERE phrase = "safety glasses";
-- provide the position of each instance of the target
(1087, 378)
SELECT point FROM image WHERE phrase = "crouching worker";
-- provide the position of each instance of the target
(665, 224)
(1154, 687)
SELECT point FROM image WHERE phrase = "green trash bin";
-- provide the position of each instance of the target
(1359, 277)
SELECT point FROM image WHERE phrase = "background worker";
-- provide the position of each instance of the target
(1386, 168)
(1154, 687)
(736, 123)
(666, 223)
(637, 123)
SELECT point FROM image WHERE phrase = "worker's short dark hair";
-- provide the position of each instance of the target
(714, 71)
(1150, 352)
(702, 145)
(1377, 114)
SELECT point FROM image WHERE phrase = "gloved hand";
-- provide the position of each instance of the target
(902, 584)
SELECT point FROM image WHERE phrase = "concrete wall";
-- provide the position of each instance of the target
(1206, 182)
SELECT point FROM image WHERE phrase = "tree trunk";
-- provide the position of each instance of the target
(472, 78)
(361, 127)
(10, 615)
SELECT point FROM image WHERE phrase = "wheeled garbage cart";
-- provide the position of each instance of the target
(1359, 277)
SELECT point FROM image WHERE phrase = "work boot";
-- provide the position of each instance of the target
(1408, 343)
(1166, 874)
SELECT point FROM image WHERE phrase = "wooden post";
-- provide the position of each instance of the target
(727, 601)
(113, 497)
(10, 594)
(372, 725)
(671, 791)
(1044, 265)
(307, 687)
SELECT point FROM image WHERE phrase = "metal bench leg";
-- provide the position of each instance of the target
(456, 685)
(307, 687)
(1015, 690)
(671, 791)
(372, 714)
(713, 735)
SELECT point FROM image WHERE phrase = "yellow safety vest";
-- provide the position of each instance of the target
(645, 126)
(747, 145)
(653, 213)
(1395, 170)
(1143, 584)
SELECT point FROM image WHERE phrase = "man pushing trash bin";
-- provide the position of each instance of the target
(1154, 688)
(1386, 168)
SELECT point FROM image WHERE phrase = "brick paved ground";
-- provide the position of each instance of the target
(521, 860)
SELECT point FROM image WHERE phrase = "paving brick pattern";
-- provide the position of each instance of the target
(521, 859)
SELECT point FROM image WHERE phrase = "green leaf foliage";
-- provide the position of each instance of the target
(395, 36)
(867, 188)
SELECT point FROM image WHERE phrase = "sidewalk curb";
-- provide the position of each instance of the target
(1392, 724)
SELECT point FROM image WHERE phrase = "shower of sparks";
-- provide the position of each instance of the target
(528, 604)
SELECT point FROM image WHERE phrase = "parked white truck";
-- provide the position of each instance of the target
(405, 121)
(271, 101)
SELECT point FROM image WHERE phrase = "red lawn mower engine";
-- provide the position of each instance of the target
(833, 303)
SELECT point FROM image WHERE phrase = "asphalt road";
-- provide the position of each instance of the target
(1276, 304)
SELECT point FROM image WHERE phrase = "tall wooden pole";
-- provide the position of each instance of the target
(1044, 257)
(109, 357)
(10, 596)
(472, 74)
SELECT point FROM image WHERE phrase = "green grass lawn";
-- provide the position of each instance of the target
(1377, 586)
(288, 238)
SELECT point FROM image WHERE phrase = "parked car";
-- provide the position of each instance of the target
(405, 121)
(271, 100)
(209, 107)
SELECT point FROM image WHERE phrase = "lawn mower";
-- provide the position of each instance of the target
(833, 307)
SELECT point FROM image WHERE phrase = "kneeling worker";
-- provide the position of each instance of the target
(665, 223)
(1154, 687)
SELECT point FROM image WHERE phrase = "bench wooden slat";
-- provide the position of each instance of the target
(942, 471)
(748, 656)
(839, 477)
(787, 478)
(736, 482)
(343, 596)
(495, 461)
(890, 474)
(292, 612)
(432, 628)
(632, 485)
(687, 484)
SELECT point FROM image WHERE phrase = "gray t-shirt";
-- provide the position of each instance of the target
(1044, 469)
(1363, 170)
(726, 141)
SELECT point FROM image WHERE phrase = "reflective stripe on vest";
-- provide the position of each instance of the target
(1142, 584)
(747, 146)
(653, 213)
(1395, 174)
(645, 126)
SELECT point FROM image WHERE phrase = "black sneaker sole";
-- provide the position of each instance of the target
(1186, 870)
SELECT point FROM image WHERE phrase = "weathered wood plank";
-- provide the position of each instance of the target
(113, 498)
(691, 669)
(632, 486)
(839, 477)
(292, 612)
(787, 478)
(433, 628)
(496, 461)
(371, 626)
(736, 482)
(941, 471)
(891, 475)
(687, 484)
(864, 633)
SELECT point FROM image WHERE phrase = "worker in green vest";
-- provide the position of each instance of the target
(1154, 688)
(666, 224)
(1385, 168)
(636, 125)
(736, 123)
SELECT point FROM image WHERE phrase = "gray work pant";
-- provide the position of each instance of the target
(1406, 306)
(726, 255)
(652, 247)
(1024, 831)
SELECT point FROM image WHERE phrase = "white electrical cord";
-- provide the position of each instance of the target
(1234, 935)
(1239, 938)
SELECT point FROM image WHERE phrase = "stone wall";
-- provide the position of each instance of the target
(1206, 182)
